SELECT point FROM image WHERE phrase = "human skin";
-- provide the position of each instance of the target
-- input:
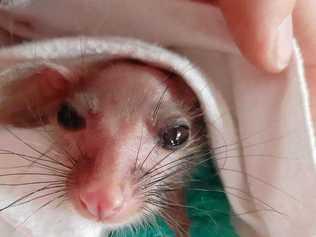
(271, 25)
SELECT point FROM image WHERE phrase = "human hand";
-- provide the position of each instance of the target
(263, 29)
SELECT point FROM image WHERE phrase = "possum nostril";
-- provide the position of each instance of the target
(101, 204)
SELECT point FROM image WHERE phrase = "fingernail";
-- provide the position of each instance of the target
(283, 44)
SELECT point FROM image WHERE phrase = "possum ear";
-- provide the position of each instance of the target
(28, 102)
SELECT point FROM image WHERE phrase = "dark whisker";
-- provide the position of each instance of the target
(138, 149)
(261, 181)
(38, 164)
(157, 163)
(32, 174)
(24, 197)
(43, 206)
(148, 155)
(29, 183)
(158, 105)
(40, 197)
(26, 144)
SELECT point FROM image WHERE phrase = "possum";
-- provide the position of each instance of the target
(127, 135)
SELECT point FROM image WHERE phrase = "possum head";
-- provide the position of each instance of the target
(127, 132)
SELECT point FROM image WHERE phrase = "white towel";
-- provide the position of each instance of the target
(263, 119)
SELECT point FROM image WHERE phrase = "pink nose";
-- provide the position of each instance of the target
(102, 205)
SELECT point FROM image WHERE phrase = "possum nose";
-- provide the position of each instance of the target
(102, 205)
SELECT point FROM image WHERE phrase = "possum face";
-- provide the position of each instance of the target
(128, 133)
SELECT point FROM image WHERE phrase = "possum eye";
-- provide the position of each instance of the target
(69, 118)
(174, 137)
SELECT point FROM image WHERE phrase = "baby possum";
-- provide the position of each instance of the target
(129, 133)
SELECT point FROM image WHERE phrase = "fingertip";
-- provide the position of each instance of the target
(280, 47)
(263, 31)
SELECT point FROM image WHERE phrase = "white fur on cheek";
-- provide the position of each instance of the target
(49, 220)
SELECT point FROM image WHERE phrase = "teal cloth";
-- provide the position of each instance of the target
(208, 209)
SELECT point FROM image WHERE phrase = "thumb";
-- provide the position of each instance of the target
(262, 29)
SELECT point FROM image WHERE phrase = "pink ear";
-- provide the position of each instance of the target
(29, 101)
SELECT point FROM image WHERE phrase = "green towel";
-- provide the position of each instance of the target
(208, 209)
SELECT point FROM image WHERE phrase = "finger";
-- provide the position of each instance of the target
(262, 30)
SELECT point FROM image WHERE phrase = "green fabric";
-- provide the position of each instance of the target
(207, 210)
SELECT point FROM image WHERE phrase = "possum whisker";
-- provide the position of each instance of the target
(170, 204)
(157, 163)
(148, 155)
(139, 148)
(34, 149)
(151, 220)
(14, 167)
(40, 197)
(260, 181)
(215, 153)
(41, 207)
(51, 160)
(217, 173)
(53, 141)
(81, 153)
(7, 152)
(34, 158)
(155, 167)
(159, 179)
(195, 113)
(263, 156)
(158, 105)
(26, 144)
(38, 164)
(237, 146)
(166, 205)
(226, 190)
(249, 197)
(155, 178)
(231, 194)
(148, 211)
(66, 198)
(176, 163)
(154, 223)
(234, 214)
(68, 156)
(32, 174)
(29, 183)
(173, 222)
(54, 161)
(25, 197)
